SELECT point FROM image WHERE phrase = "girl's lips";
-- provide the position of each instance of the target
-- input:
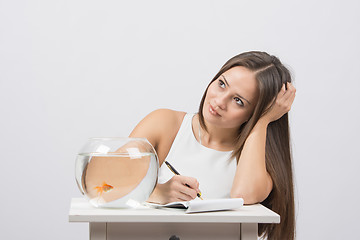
(213, 111)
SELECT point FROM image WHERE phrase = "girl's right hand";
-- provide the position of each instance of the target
(175, 190)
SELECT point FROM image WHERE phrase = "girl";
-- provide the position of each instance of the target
(237, 145)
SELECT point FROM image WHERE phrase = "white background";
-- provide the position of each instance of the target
(70, 70)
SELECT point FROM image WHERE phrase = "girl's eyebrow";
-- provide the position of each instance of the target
(226, 82)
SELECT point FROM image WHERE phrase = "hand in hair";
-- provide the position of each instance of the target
(282, 104)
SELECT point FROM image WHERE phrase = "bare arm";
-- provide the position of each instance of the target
(160, 128)
(252, 182)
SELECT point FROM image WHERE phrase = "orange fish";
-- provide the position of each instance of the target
(103, 188)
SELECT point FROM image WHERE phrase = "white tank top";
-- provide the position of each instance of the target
(213, 169)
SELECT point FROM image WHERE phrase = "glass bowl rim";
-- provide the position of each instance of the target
(120, 138)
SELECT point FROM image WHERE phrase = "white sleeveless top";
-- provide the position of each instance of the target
(213, 169)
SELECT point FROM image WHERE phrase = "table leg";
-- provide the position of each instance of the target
(249, 231)
(97, 230)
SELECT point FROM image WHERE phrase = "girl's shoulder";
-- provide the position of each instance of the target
(159, 126)
(166, 122)
(170, 118)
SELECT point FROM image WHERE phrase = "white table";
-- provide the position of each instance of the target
(148, 223)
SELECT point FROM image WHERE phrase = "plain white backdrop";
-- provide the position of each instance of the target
(70, 70)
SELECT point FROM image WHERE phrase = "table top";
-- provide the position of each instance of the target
(82, 211)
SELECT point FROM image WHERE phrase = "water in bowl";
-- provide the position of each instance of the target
(116, 179)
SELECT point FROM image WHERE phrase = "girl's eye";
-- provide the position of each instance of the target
(239, 101)
(221, 84)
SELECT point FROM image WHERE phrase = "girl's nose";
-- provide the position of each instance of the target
(220, 101)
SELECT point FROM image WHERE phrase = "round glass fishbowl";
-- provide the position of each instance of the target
(116, 172)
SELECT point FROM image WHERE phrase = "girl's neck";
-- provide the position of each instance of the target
(221, 139)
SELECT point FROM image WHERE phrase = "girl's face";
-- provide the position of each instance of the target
(231, 99)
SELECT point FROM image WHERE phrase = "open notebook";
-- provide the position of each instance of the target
(198, 205)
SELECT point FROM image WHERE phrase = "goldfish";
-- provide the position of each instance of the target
(103, 188)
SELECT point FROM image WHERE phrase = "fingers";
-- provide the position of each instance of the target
(190, 182)
(182, 188)
(282, 104)
(286, 97)
(289, 95)
(290, 92)
(283, 89)
(190, 186)
(287, 90)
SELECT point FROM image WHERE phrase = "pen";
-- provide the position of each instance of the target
(177, 173)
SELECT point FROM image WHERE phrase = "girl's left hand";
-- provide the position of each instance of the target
(282, 104)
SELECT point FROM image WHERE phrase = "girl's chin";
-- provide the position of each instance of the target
(209, 118)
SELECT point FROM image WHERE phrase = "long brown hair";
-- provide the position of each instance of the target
(270, 74)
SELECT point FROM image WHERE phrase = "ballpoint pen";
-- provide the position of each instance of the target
(177, 173)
